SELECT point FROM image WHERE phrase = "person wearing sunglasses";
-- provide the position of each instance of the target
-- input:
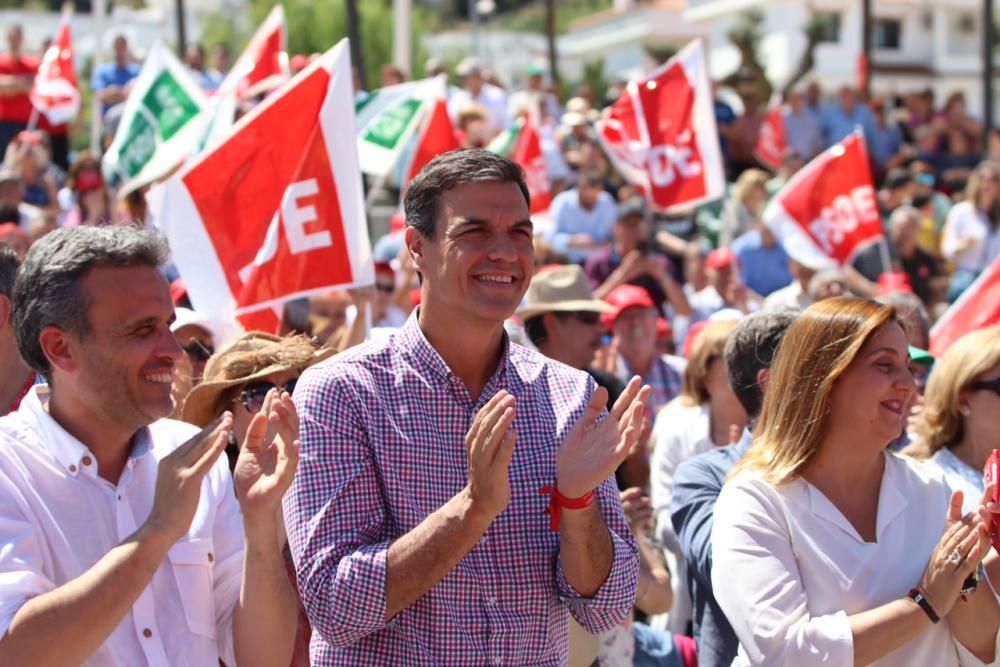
(238, 378)
(956, 429)
(195, 334)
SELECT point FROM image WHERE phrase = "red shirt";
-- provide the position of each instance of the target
(18, 107)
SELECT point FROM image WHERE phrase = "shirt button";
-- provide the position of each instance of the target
(147, 633)
(482, 540)
(497, 659)
(211, 557)
(119, 497)
(493, 601)
(87, 460)
(72, 468)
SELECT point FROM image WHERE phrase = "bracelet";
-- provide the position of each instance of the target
(917, 596)
(557, 501)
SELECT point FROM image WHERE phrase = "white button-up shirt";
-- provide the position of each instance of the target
(788, 569)
(58, 518)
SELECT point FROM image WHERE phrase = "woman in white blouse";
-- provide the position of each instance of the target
(830, 550)
(700, 418)
(957, 427)
(970, 237)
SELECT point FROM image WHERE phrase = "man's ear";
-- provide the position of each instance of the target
(60, 348)
(415, 246)
(5, 311)
(763, 377)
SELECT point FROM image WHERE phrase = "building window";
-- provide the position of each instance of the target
(887, 34)
(830, 21)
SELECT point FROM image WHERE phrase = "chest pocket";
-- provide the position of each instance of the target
(192, 561)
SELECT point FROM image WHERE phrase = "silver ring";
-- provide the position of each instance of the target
(955, 558)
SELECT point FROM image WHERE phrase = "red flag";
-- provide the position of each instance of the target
(828, 211)
(661, 134)
(771, 142)
(276, 211)
(55, 92)
(263, 65)
(528, 153)
(437, 136)
(978, 307)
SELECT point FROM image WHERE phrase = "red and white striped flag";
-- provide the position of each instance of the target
(771, 141)
(661, 134)
(977, 307)
(436, 136)
(276, 211)
(827, 212)
(55, 92)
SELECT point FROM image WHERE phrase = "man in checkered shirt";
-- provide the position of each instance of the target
(417, 519)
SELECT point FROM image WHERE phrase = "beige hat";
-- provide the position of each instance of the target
(253, 356)
(561, 289)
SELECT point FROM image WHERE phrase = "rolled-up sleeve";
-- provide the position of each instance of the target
(614, 599)
(756, 581)
(334, 511)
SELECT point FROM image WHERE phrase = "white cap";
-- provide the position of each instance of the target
(187, 317)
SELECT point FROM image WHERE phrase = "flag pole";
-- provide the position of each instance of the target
(96, 120)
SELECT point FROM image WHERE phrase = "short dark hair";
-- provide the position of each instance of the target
(534, 329)
(449, 170)
(47, 290)
(750, 349)
(8, 270)
(590, 177)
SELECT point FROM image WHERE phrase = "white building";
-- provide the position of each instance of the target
(917, 44)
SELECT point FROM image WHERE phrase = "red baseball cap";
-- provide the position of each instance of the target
(624, 297)
(178, 290)
(720, 258)
(892, 282)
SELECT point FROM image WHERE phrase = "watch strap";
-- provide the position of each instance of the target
(917, 596)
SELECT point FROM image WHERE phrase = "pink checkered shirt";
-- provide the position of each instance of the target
(383, 432)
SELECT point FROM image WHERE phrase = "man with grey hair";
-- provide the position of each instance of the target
(124, 543)
(15, 376)
(919, 265)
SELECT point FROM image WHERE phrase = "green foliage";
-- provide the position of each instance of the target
(313, 27)
(659, 52)
(530, 16)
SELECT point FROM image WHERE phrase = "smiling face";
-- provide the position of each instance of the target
(125, 365)
(573, 338)
(478, 266)
(982, 405)
(871, 397)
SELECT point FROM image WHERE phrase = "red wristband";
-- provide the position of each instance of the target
(557, 501)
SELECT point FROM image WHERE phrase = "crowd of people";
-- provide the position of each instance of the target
(522, 459)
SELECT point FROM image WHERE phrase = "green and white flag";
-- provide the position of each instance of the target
(158, 127)
(387, 118)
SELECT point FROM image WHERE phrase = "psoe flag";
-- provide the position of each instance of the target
(276, 211)
(978, 307)
(55, 92)
(827, 212)
(772, 145)
(661, 135)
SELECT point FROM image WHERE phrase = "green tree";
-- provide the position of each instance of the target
(315, 27)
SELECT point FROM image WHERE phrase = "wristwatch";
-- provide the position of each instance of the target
(917, 596)
(971, 582)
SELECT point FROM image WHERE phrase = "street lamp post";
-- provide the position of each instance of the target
(866, 47)
(181, 29)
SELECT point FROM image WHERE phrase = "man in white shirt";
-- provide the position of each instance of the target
(123, 540)
(15, 376)
(476, 90)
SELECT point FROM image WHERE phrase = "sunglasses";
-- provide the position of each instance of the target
(584, 316)
(253, 394)
(197, 352)
(987, 385)
(388, 288)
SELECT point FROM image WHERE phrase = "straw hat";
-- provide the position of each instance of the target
(253, 356)
(561, 289)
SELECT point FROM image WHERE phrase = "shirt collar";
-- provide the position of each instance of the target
(411, 340)
(66, 449)
(891, 503)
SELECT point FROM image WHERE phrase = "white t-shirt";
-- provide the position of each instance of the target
(493, 99)
(58, 518)
(788, 569)
(964, 222)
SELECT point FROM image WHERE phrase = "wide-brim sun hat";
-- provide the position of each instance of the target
(562, 289)
(253, 356)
